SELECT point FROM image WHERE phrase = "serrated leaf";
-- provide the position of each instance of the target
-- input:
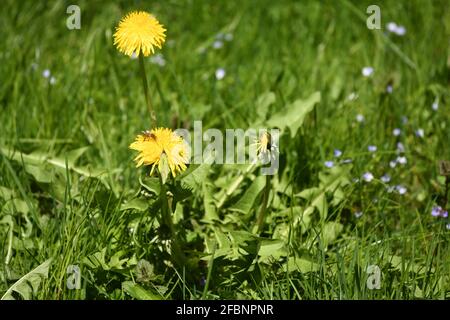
(151, 184)
(274, 248)
(300, 264)
(194, 177)
(331, 231)
(293, 115)
(208, 203)
(136, 204)
(39, 173)
(263, 103)
(137, 292)
(247, 201)
(28, 285)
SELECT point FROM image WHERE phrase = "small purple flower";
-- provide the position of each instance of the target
(202, 281)
(401, 30)
(389, 89)
(329, 164)
(437, 211)
(401, 189)
(46, 73)
(367, 71)
(393, 163)
(368, 177)
(220, 73)
(396, 29)
(396, 132)
(386, 178)
(404, 119)
(391, 26)
(337, 153)
(435, 106)
(372, 148)
(358, 214)
(400, 147)
(217, 44)
(420, 133)
(402, 160)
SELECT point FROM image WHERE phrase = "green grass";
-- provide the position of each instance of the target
(54, 138)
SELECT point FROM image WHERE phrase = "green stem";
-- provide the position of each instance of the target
(146, 93)
(166, 219)
(262, 211)
(447, 189)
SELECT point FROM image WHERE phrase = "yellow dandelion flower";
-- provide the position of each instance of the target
(263, 143)
(160, 146)
(137, 32)
(266, 149)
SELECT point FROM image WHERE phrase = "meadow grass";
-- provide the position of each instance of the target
(55, 136)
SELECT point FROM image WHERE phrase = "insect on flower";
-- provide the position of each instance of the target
(161, 148)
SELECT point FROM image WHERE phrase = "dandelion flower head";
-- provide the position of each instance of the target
(138, 32)
(159, 144)
(266, 149)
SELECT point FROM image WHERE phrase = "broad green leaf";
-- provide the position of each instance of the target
(331, 231)
(194, 177)
(38, 159)
(151, 184)
(6, 193)
(299, 216)
(73, 155)
(334, 178)
(137, 292)
(247, 201)
(208, 203)
(274, 248)
(300, 264)
(39, 173)
(316, 199)
(116, 262)
(263, 103)
(28, 285)
(137, 204)
(96, 260)
(293, 115)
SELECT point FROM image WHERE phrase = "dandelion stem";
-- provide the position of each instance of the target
(262, 211)
(166, 219)
(146, 93)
